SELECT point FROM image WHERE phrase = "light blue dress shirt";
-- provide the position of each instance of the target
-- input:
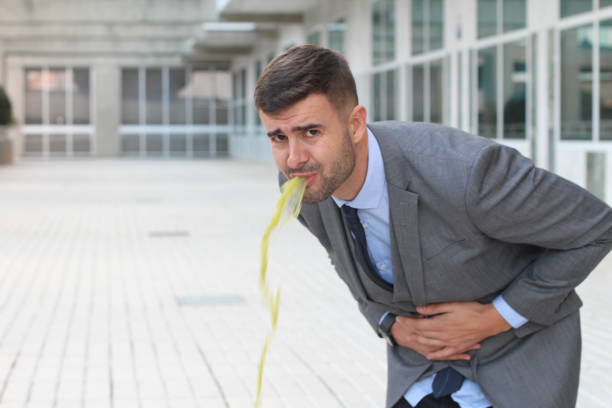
(372, 204)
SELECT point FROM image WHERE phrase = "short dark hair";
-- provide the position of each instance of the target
(301, 71)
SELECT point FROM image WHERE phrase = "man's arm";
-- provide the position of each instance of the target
(509, 199)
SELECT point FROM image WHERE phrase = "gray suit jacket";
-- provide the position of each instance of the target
(471, 219)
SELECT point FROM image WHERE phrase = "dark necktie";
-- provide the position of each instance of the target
(352, 219)
(446, 382)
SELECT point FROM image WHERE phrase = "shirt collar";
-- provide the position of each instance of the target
(371, 192)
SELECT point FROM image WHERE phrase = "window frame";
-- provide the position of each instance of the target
(594, 18)
(46, 130)
(170, 132)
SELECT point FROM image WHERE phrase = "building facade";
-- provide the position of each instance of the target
(113, 78)
(531, 74)
(176, 79)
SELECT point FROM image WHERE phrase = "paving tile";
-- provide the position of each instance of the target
(96, 253)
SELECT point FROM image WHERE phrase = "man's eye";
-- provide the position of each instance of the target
(312, 132)
(278, 138)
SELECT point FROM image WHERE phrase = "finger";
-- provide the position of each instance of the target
(444, 354)
(436, 308)
(405, 320)
(429, 327)
(425, 341)
(464, 357)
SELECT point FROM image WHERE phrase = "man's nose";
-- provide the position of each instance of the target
(298, 156)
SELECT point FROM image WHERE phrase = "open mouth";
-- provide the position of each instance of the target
(310, 177)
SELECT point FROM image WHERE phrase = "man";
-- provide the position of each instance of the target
(459, 252)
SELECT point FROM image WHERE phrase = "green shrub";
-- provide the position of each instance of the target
(6, 110)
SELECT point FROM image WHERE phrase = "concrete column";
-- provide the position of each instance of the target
(14, 86)
(107, 103)
(2, 65)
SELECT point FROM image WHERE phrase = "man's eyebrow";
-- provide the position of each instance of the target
(306, 127)
(275, 132)
(303, 128)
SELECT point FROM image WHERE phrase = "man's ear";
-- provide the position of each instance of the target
(357, 123)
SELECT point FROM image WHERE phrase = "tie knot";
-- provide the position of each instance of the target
(349, 211)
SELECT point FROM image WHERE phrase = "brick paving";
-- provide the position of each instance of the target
(135, 284)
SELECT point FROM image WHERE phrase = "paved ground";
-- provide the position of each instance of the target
(134, 284)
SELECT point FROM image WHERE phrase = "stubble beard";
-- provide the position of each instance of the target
(338, 172)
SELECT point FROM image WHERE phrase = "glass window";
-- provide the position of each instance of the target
(487, 18)
(336, 35)
(605, 78)
(178, 144)
(129, 96)
(436, 26)
(391, 95)
(418, 26)
(427, 92)
(577, 80)
(243, 83)
(418, 93)
(33, 144)
(153, 91)
(435, 92)
(515, 15)
(154, 144)
(487, 92)
(389, 30)
(383, 23)
(427, 25)
(258, 68)
(239, 92)
(80, 96)
(571, 7)
(201, 92)
(178, 96)
(242, 95)
(605, 3)
(377, 32)
(57, 144)
(223, 87)
(201, 145)
(314, 38)
(130, 144)
(34, 84)
(377, 90)
(222, 145)
(385, 95)
(515, 90)
(81, 144)
(56, 82)
(56, 85)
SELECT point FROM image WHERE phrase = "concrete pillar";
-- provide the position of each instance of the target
(542, 17)
(107, 102)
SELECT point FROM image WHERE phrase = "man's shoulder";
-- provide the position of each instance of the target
(428, 139)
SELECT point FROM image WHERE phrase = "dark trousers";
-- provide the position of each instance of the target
(429, 402)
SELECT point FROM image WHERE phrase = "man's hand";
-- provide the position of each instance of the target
(404, 334)
(451, 330)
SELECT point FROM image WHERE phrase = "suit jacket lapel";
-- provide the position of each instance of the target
(406, 246)
(338, 234)
(403, 221)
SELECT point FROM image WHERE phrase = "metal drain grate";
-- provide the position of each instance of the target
(210, 300)
(168, 234)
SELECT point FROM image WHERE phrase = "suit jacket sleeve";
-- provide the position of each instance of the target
(509, 199)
